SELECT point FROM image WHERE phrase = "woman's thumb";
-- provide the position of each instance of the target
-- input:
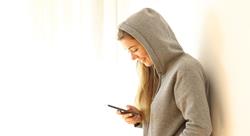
(130, 107)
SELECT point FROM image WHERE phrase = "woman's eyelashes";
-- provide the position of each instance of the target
(133, 50)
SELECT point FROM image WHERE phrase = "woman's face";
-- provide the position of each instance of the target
(136, 50)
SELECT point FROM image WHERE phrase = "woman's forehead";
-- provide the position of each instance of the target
(129, 42)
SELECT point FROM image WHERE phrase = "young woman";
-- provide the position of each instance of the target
(172, 97)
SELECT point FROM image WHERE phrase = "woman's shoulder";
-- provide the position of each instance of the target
(188, 63)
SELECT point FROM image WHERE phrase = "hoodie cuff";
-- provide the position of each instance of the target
(139, 125)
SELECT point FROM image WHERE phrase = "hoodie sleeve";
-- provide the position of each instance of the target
(191, 99)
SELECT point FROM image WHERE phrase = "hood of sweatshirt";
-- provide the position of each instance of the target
(150, 29)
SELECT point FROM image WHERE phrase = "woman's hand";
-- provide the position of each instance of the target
(131, 118)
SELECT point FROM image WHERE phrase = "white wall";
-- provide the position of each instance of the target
(60, 65)
(226, 34)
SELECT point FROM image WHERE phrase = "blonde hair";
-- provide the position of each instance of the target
(148, 81)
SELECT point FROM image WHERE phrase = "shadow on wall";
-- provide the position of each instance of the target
(210, 56)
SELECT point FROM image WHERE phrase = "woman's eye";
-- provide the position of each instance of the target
(134, 50)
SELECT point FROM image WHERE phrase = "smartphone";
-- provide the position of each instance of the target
(123, 111)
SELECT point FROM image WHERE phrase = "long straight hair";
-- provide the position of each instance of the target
(148, 81)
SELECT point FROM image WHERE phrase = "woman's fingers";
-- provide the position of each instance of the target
(133, 119)
(132, 108)
(128, 115)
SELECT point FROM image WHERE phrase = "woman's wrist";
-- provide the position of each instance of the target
(139, 116)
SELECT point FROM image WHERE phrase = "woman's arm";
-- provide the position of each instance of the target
(191, 99)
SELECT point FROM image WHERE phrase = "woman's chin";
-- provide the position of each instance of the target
(148, 64)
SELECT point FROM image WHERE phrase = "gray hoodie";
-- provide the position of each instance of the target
(180, 106)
